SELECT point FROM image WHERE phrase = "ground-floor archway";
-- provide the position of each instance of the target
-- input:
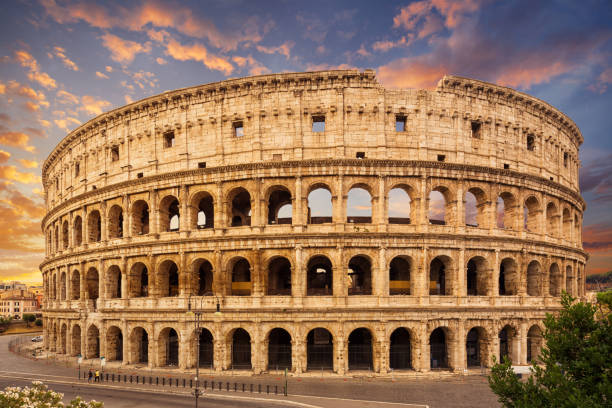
(241, 350)
(438, 350)
(319, 350)
(93, 342)
(360, 350)
(114, 344)
(399, 350)
(279, 350)
(75, 340)
(139, 346)
(206, 348)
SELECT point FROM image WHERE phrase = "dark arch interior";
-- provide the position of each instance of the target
(319, 277)
(241, 350)
(400, 357)
(241, 278)
(472, 348)
(206, 348)
(360, 276)
(172, 348)
(437, 349)
(399, 276)
(360, 350)
(319, 350)
(241, 209)
(279, 277)
(277, 200)
(205, 279)
(279, 350)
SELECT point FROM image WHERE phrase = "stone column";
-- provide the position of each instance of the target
(421, 278)
(184, 350)
(257, 278)
(298, 274)
(220, 209)
(297, 206)
(83, 290)
(103, 222)
(124, 280)
(184, 218)
(339, 204)
(340, 362)
(460, 283)
(425, 363)
(101, 281)
(154, 213)
(495, 275)
(184, 284)
(339, 273)
(460, 360)
(381, 279)
(298, 356)
(381, 205)
(521, 344)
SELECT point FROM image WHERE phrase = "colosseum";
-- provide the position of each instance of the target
(229, 204)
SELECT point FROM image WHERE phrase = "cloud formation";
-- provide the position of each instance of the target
(19, 140)
(60, 53)
(25, 59)
(198, 52)
(123, 51)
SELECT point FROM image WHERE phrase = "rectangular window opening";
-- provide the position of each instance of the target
(530, 143)
(360, 155)
(318, 123)
(77, 170)
(564, 159)
(238, 128)
(140, 175)
(115, 153)
(400, 123)
(506, 166)
(476, 129)
(441, 157)
(277, 157)
(169, 139)
(201, 165)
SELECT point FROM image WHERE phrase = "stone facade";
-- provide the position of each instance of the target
(171, 205)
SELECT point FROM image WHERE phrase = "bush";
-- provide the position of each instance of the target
(38, 322)
(28, 318)
(39, 396)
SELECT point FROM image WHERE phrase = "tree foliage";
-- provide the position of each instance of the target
(39, 396)
(574, 368)
(28, 318)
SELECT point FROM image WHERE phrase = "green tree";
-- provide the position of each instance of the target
(39, 396)
(574, 368)
(5, 322)
(28, 318)
(38, 322)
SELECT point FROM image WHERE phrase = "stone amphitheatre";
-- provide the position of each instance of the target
(232, 199)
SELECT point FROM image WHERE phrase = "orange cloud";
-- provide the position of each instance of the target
(28, 164)
(123, 51)
(108, 68)
(67, 97)
(16, 139)
(4, 156)
(63, 123)
(197, 52)
(17, 89)
(93, 106)
(384, 46)
(161, 61)
(12, 174)
(422, 16)
(403, 73)
(60, 53)
(256, 68)
(101, 75)
(20, 225)
(597, 237)
(25, 59)
(283, 49)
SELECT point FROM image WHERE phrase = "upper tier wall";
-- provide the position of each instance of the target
(277, 112)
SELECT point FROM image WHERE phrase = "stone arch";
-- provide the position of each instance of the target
(92, 342)
(206, 347)
(531, 209)
(202, 277)
(477, 344)
(138, 280)
(114, 344)
(401, 210)
(94, 226)
(65, 232)
(476, 207)
(279, 276)
(400, 270)
(240, 349)
(478, 277)
(506, 211)
(92, 281)
(440, 276)
(552, 219)
(360, 350)
(139, 346)
(168, 344)
(202, 210)
(567, 225)
(508, 342)
(113, 282)
(63, 337)
(115, 222)
(167, 279)
(440, 206)
(534, 279)
(360, 275)
(52, 332)
(240, 273)
(577, 230)
(320, 204)
(56, 239)
(400, 349)
(319, 276)
(356, 210)
(535, 342)
(556, 280)
(75, 340)
(54, 287)
(169, 214)
(279, 349)
(140, 218)
(63, 286)
(279, 202)
(319, 349)
(77, 231)
(439, 348)
(75, 285)
(569, 280)
(239, 207)
(508, 277)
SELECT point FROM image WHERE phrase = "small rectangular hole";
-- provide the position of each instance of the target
(400, 123)
(93, 187)
(551, 178)
(360, 155)
(201, 165)
(476, 127)
(318, 123)
(441, 157)
(140, 175)
(530, 143)
(238, 128)
(115, 153)
(277, 157)
(169, 139)
(565, 159)
(77, 170)
(506, 166)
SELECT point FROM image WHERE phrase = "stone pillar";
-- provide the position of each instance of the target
(101, 281)
(220, 209)
(154, 213)
(257, 272)
(495, 275)
(219, 355)
(184, 350)
(298, 216)
(521, 344)
(421, 278)
(103, 222)
(124, 281)
(460, 283)
(184, 284)
(425, 362)
(298, 274)
(459, 209)
(126, 340)
(340, 362)
(339, 204)
(83, 290)
(460, 357)
(298, 356)
(184, 224)
(381, 278)
(422, 220)
(127, 217)
(381, 206)
(339, 273)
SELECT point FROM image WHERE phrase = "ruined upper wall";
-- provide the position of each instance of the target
(276, 112)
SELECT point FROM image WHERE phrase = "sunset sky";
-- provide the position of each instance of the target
(64, 62)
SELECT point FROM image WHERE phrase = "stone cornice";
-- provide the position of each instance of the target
(310, 163)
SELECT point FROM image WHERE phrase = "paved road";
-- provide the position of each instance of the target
(306, 391)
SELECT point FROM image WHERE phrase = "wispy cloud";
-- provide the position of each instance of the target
(60, 53)
(123, 51)
(25, 59)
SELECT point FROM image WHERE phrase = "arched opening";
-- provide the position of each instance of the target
(438, 352)
(139, 346)
(56, 239)
(115, 222)
(556, 280)
(140, 218)
(400, 352)
(552, 220)
(203, 215)
(440, 279)
(319, 277)
(577, 232)
(93, 342)
(203, 278)
(508, 277)
(507, 340)
(63, 286)
(506, 210)
(75, 286)
(94, 226)
(168, 279)
(399, 275)
(92, 280)
(65, 235)
(241, 278)
(530, 214)
(534, 279)
(400, 206)
(139, 280)
(75, 340)
(279, 350)
(63, 337)
(206, 357)
(471, 210)
(477, 277)
(279, 277)
(168, 347)
(169, 214)
(360, 350)
(54, 287)
(241, 350)
(359, 206)
(113, 282)
(534, 343)
(319, 350)
(279, 199)
(567, 225)
(359, 276)
(78, 230)
(240, 209)
(440, 211)
(52, 337)
(319, 205)
(476, 347)
(114, 344)
(569, 280)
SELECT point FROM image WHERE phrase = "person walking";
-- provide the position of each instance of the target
(89, 375)
(97, 376)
